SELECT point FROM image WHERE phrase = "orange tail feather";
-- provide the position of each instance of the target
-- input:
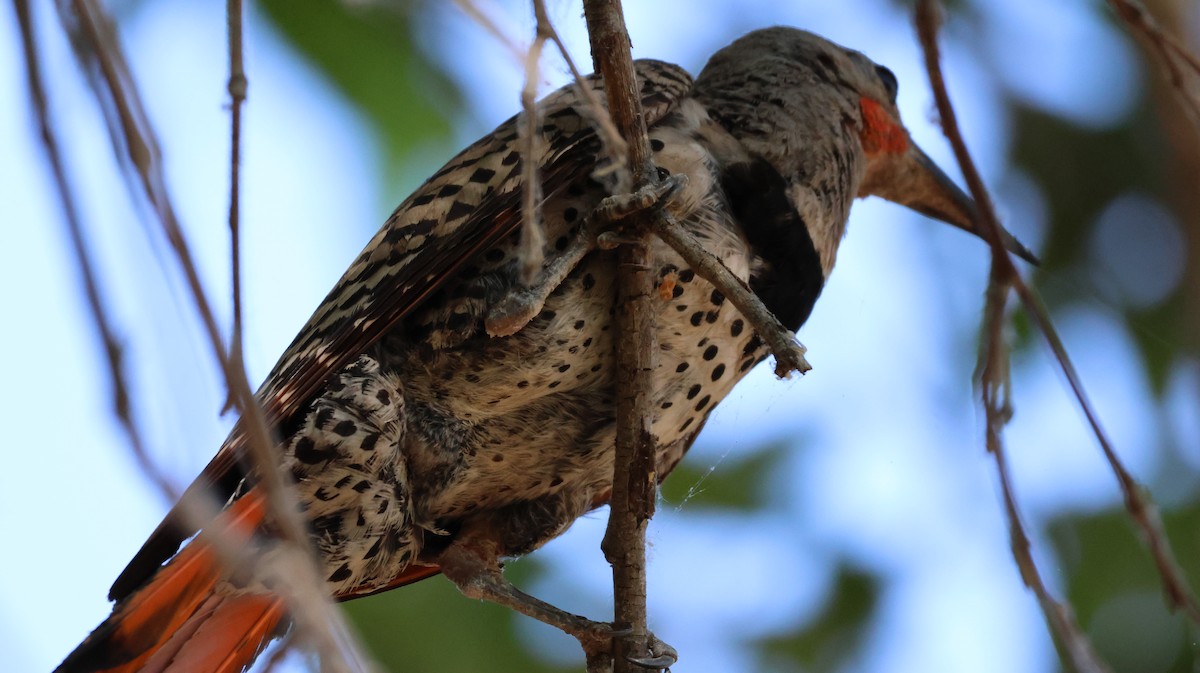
(177, 622)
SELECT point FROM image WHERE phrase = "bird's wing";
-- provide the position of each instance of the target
(466, 207)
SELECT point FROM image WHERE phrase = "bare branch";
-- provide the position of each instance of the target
(1004, 275)
(122, 407)
(533, 236)
(1180, 65)
(635, 479)
(237, 96)
(320, 622)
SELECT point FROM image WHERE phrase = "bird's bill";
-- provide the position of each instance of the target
(918, 183)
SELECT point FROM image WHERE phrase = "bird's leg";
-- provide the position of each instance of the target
(620, 206)
(518, 308)
(476, 571)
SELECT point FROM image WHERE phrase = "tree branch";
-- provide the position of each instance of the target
(321, 624)
(994, 377)
(635, 479)
(236, 86)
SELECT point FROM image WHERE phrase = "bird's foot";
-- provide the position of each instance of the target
(656, 195)
(478, 575)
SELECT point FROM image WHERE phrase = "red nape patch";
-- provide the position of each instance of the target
(880, 131)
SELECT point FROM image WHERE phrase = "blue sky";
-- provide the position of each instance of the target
(885, 468)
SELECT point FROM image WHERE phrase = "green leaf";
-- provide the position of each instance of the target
(830, 641)
(367, 51)
(1117, 594)
(431, 626)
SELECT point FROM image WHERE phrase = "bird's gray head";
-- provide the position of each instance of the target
(825, 118)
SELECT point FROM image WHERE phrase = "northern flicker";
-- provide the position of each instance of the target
(420, 440)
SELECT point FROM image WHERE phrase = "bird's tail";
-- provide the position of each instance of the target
(178, 622)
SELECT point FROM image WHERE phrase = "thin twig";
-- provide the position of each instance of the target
(994, 374)
(789, 354)
(1179, 64)
(199, 509)
(237, 87)
(533, 235)
(316, 617)
(613, 146)
(114, 353)
(635, 479)
(1137, 502)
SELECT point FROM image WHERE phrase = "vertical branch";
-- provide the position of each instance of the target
(114, 354)
(1179, 65)
(994, 377)
(634, 477)
(316, 618)
(237, 96)
(533, 236)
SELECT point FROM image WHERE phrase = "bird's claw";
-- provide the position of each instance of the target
(661, 655)
(656, 195)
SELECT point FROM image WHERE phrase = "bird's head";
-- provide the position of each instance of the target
(825, 117)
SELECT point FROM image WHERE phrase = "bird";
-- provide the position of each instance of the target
(426, 430)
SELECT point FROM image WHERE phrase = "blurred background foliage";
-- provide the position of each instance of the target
(1121, 205)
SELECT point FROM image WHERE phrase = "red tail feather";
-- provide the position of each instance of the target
(177, 622)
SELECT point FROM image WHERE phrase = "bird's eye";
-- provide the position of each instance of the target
(889, 81)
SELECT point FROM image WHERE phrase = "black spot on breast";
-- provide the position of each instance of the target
(682, 367)
(718, 372)
(736, 327)
(345, 428)
(710, 352)
(570, 214)
(693, 391)
(656, 144)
